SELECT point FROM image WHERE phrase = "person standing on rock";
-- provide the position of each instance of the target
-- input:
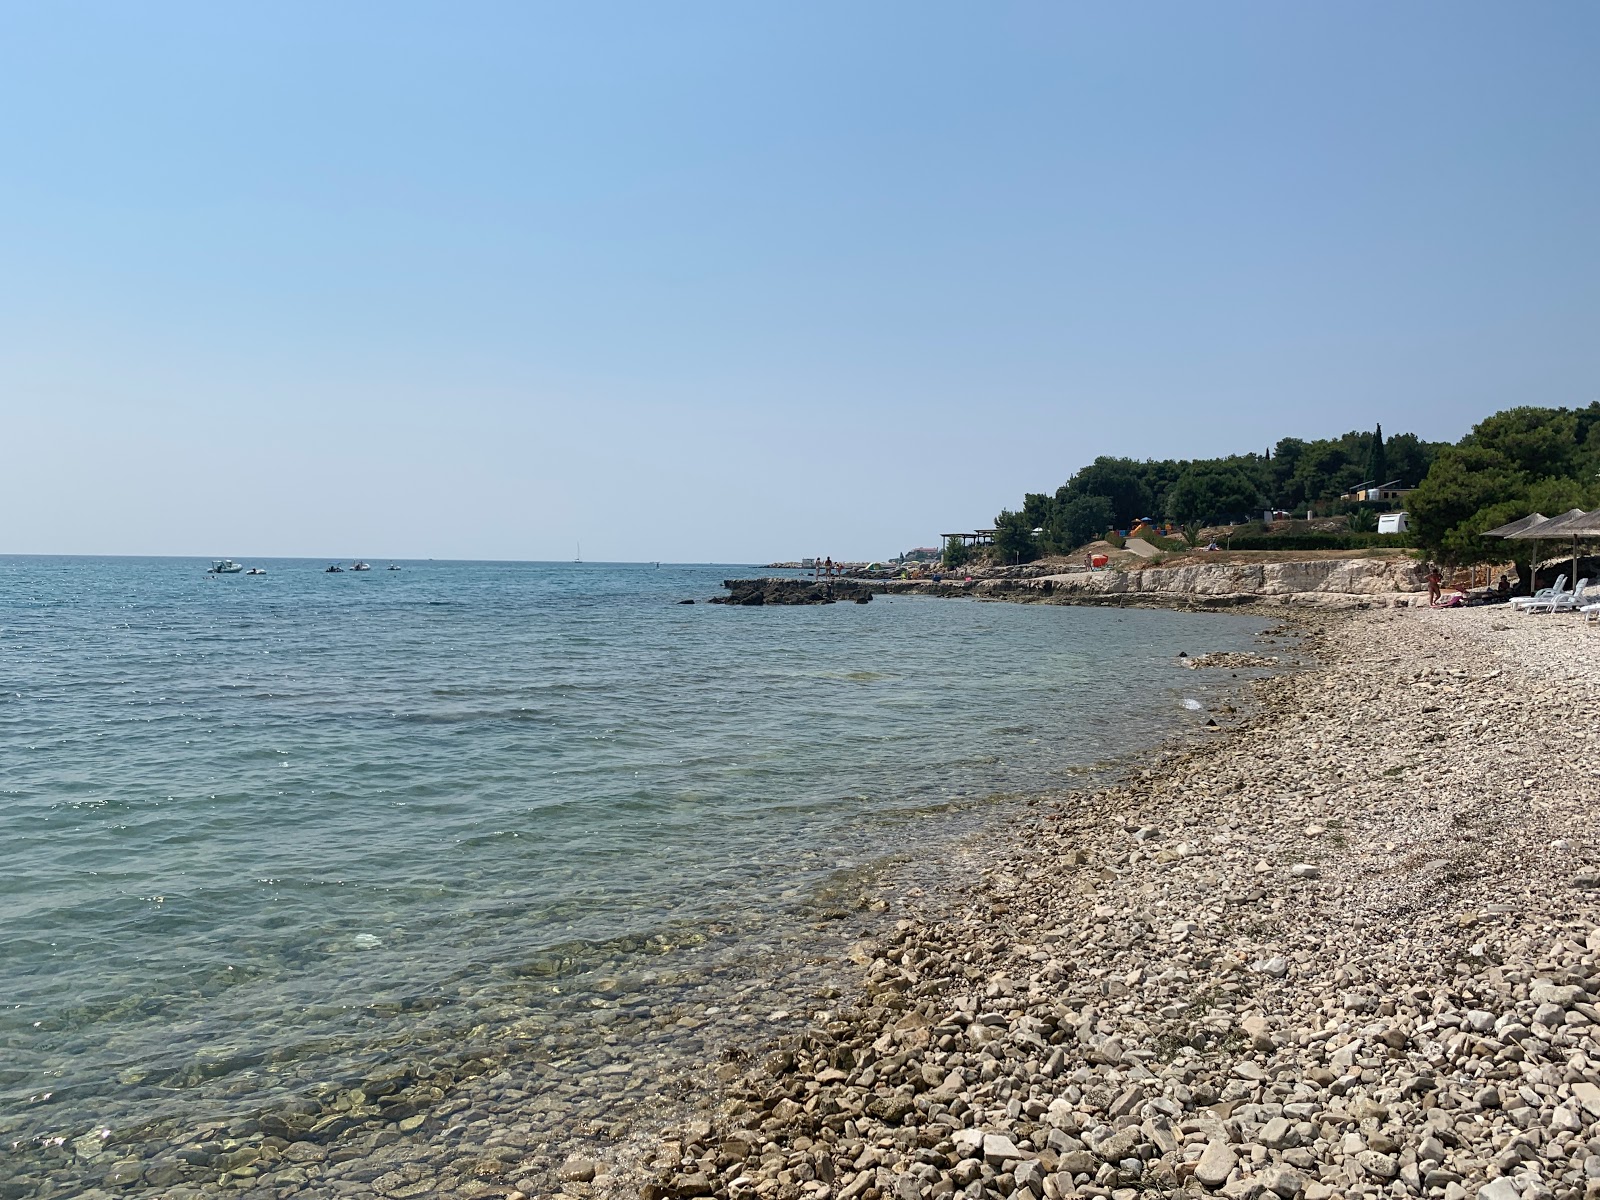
(1434, 580)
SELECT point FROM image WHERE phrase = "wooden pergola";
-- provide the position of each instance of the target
(980, 537)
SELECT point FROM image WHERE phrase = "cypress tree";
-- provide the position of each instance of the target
(1377, 465)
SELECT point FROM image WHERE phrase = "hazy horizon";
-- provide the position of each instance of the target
(378, 561)
(733, 284)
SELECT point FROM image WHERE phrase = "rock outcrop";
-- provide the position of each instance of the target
(794, 591)
(1330, 583)
(1321, 583)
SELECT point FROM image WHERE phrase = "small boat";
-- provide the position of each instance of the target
(361, 566)
(256, 571)
(392, 567)
(335, 569)
(224, 566)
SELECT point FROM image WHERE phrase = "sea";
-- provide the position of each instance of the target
(260, 834)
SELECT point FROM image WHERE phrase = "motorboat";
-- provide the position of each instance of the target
(224, 566)
(361, 566)
(256, 571)
(334, 569)
(392, 567)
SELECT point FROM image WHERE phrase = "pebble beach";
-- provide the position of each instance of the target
(1351, 947)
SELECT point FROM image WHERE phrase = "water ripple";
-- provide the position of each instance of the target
(264, 829)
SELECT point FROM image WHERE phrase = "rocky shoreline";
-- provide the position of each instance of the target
(1351, 949)
(1329, 583)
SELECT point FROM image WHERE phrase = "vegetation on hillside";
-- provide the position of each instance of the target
(1293, 476)
(1515, 462)
(1518, 461)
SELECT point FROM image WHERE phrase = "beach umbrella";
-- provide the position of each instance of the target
(1519, 529)
(1574, 523)
(1514, 527)
(1554, 527)
(1587, 528)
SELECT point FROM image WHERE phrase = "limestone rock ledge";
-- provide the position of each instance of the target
(1329, 583)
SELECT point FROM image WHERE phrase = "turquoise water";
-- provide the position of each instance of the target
(256, 830)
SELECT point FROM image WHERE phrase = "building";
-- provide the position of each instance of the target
(982, 537)
(1373, 493)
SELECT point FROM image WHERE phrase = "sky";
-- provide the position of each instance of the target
(734, 282)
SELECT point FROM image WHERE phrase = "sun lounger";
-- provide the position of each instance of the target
(1541, 595)
(1562, 601)
(1591, 612)
(1584, 594)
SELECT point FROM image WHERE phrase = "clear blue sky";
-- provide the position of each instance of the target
(730, 281)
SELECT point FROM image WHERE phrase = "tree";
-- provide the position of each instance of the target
(1121, 481)
(1463, 481)
(1159, 477)
(1539, 441)
(956, 554)
(1523, 447)
(1081, 519)
(1408, 458)
(1209, 491)
(1287, 489)
(1463, 543)
(1013, 538)
(1589, 441)
(1322, 471)
(1377, 462)
(1515, 462)
(1036, 508)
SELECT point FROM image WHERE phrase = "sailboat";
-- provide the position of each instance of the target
(579, 559)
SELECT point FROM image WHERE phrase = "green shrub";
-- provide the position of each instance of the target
(1364, 519)
(1321, 541)
(1013, 538)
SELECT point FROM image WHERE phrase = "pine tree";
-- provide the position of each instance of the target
(1377, 466)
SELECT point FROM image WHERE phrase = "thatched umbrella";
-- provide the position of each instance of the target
(1519, 529)
(1574, 523)
(1554, 527)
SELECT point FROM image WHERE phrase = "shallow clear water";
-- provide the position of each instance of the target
(254, 829)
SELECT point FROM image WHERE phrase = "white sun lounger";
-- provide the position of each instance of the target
(1563, 601)
(1541, 595)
